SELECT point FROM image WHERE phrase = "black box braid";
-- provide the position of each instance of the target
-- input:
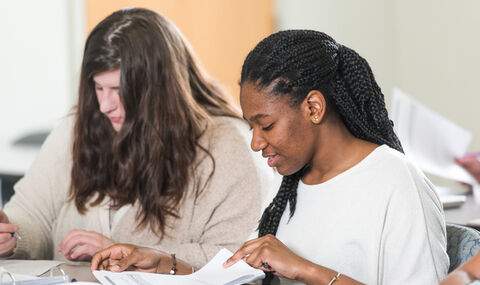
(298, 61)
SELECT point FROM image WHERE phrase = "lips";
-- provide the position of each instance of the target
(115, 120)
(272, 159)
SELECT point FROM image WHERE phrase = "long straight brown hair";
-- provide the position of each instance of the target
(168, 102)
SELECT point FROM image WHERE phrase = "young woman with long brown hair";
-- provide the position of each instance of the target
(154, 154)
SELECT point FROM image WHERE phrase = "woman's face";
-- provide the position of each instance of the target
(283, 133)
(107, 86)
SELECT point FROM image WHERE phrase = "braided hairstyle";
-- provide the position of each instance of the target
(294, 62)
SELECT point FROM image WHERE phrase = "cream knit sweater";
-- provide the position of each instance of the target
(224, 215)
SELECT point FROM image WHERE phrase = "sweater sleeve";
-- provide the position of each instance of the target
(232, 199)
(39, 195)
(414, 240)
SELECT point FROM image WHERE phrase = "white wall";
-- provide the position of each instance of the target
(429, 48)
(437, 57)
(39, 56)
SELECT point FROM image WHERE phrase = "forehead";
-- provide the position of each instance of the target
(256, 102)
(109, 77)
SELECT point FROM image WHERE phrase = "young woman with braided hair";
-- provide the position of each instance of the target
(358, 211)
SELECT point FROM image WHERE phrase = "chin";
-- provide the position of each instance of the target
(285, 171)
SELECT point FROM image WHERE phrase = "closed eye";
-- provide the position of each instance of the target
(268, 128)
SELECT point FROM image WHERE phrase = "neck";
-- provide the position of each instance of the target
(336, 150)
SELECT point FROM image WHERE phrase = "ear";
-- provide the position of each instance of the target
(315, 106)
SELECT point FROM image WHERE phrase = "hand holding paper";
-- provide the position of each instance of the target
(212, 273)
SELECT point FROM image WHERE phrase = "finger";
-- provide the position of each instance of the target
(126, 262)
(103, 265)
(7, 247)
(8, 228)
(4, 237)
(111, 255)
(67, 237)
(75, 234)
(101, 257)
(81, 252)
(79, 240)
(246, 249)
(255, 259)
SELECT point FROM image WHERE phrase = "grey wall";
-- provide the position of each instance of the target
(428, 48)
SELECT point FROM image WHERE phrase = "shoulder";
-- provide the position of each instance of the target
(394, 165)
(228, 140)
(62, 133)
(58, 143)
(235, 164)
(407, 181)
(223, 129)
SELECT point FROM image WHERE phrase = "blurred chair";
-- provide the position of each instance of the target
(462, 243)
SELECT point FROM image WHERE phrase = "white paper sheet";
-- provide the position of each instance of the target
(28, 267)
(429, 140)
(212, 273)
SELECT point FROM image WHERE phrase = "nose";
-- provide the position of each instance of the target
(107, 102)
(258, 142)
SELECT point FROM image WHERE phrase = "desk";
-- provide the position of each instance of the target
(79, 272)
(470, 210)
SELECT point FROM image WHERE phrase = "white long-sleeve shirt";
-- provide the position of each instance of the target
(379, 222)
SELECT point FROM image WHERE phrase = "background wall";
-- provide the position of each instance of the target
(427, 48)
(221, 32)
(38, 55)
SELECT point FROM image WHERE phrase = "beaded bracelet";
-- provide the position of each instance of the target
(335, 278)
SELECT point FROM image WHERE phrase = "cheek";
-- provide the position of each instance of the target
(295, 147)
(120, 107)
(296, 139)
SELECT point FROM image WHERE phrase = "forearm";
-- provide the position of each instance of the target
(457, 277)
(314, 274)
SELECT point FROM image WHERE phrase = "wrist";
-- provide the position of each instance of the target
(315, 274)
(307, 272)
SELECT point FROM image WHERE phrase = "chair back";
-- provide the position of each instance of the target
(462, 243)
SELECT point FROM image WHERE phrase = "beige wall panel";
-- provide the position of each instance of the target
(221, 31)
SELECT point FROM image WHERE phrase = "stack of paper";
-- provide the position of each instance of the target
(212, 273)
(429, 140)
(31, 272)
(29, 267)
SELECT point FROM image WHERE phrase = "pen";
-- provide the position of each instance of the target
(15, 235)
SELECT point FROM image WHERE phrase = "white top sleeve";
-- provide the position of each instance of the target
(414, 237)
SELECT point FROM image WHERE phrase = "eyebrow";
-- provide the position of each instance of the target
(256, 117)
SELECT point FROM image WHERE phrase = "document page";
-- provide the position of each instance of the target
(429, 140)
(212, 273)
(28, 267)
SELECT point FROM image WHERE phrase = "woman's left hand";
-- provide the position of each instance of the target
(81, 245)
(269, 254)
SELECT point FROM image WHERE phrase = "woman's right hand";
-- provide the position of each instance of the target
(120, 257)
(7, 240)
(470, 163)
